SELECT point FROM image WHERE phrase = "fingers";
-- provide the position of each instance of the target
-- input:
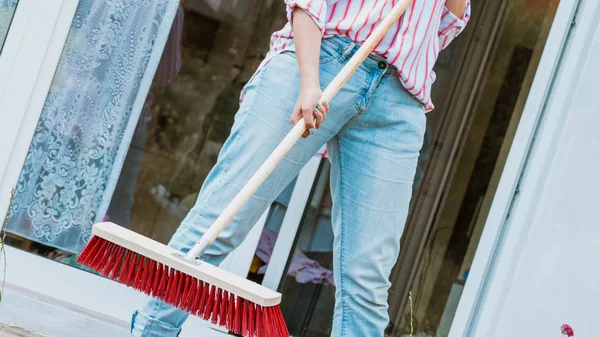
(296, 114)
(309, 118)
(320, 113)
(313, 117)
(321, 108)
(326, 106)
(319, 117)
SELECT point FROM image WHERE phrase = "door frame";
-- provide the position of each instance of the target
(29, 59)
(488, 249)
(476, 45)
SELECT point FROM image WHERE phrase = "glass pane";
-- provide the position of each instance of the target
(212, 51)
(307, 288)
(7, 11)
(455, 224)
(84, 121)
(270, 234)
(189, 111)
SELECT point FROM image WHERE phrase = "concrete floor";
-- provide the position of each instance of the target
(27, 314)
(14, 331)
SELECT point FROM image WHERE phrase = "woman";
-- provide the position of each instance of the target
(373, 139)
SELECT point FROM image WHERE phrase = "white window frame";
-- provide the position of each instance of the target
(28, 61)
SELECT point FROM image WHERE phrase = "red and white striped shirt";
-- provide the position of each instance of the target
(412, 45)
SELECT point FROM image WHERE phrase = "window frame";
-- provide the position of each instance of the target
(475, 295)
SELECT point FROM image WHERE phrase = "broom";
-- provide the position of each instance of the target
(184, 281)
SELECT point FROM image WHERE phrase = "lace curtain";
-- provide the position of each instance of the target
(7, 10)
(88, 119)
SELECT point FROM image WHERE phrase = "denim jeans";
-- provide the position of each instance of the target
(373, 132)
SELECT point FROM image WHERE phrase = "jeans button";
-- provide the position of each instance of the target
(382, 65)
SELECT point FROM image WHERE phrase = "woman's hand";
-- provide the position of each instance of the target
(310, 108)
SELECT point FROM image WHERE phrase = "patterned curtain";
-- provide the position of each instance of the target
(7, 10)
(88, 119)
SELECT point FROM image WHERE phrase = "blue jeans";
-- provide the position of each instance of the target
(374, 132)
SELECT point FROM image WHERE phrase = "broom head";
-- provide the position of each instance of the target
(225, 299)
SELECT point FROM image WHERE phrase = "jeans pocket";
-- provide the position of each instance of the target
(327, 54)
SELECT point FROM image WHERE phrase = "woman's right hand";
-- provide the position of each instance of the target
(309, 107)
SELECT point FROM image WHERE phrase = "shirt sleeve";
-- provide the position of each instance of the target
(452, 25)
(316, 9)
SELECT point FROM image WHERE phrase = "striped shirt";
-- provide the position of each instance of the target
(412, 45)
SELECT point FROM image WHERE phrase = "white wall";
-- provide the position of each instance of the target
(546, 270)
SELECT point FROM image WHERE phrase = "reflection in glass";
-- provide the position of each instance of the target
(7, 11)
(307, 288)
(454, 229)
(452, 236)
(219, 45)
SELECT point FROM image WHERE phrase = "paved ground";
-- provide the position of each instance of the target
(25, 314)
(12, 331)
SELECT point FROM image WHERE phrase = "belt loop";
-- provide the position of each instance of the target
(348, 50)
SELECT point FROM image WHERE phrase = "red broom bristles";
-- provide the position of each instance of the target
(131, 269)
(266, 319)
(209, 303)
(177, 289)
(111, 262)
(125, 267)
(215, 307)
(158, 277)
(180, 290)
(186, 290)
(150, 278)
(160, 290)
(183, 291)
(231, 305)
(251, 318)
(237, 318)
(145, 275)
(185, 296)
(260, 332)
(119, 264)
(94, 264)
(245, 319)
(194, 290)
(135, 284)
(92, 247)
(197, 297)
(224, 308)
(200, 311)
(278, 315)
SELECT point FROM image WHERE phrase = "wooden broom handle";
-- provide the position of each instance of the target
(294, 135)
